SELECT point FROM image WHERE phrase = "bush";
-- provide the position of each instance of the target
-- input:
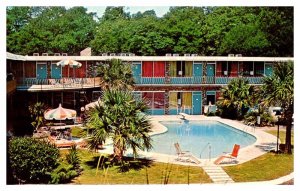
(63, 174)
(31, 160)
(73, 158)
(265, 118)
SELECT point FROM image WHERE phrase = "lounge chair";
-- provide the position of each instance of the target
(185, 156)
(231, 156)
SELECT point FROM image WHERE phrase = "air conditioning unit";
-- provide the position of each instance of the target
(36, 54)
(238, 55)
(56, 54)
(104, 54)
(168, 54)
(187, 54)
(194, 54)
(175, 54)
(251, 73)
(180, 73)
(45, 54)
(225, 73)
(64, 54)
(112, 54)
(230, 55)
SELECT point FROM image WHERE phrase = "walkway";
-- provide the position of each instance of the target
(217, 174)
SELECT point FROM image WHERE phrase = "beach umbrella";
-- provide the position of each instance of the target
(69, 62)
(60, 113)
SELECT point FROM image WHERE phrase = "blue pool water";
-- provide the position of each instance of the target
(198, 136)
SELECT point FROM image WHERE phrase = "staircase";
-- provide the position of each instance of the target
(217, 174)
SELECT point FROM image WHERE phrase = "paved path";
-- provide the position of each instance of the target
(217, 174)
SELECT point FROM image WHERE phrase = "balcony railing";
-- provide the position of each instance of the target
(63, 83)
(193, 80)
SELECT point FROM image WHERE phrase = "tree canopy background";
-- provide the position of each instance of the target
(251, 31)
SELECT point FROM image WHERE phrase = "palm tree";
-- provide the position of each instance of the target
(115, 74)
(235, 98)
(119, 117)
(278, 90)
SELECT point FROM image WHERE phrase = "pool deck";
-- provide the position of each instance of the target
(245, 154)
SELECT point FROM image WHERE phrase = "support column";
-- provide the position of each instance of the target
(167, 102)
(167, 73)
(204, 72)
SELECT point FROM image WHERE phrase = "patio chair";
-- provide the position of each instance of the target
(185, 156)
(231, 156)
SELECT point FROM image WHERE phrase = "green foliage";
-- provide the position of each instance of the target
(259, 31)
(63, 174)
(37, 114)
(119, 116)
(278, 90)
(73, 158)
(235, 99)
(31, 160)
(114, 74)
(265, 118)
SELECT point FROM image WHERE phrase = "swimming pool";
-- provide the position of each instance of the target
(206, 138)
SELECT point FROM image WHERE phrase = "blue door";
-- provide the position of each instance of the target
(197, 73)
(210, 71)
(137, 71)
(197, 103)
(55, 71)
(268, 69)
(41, 71)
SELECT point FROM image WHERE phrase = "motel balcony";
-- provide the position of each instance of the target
(193, 80)
(36, 84)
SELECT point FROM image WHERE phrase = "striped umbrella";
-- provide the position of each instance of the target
(70, 62)
(60, 113)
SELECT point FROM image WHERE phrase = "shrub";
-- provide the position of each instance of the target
(63, 174)
(265, 118)
(73, 158)
(31, 160)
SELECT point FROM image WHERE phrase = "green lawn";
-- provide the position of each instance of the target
(157, 173)
(78, 132)
(266, 167)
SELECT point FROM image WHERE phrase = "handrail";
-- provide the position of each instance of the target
(209, 150)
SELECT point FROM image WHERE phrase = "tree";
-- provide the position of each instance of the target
(235, 98)
(115, 74)
(119, 117)
(31, 160)
(278, 90)
(37, 111)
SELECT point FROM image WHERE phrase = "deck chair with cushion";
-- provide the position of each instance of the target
(185, 156)
(232, 157)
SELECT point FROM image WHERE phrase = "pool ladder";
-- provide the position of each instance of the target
(208, 145)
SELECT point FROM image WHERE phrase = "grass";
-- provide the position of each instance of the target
(78, 132)
(266, 167)
(155, 172)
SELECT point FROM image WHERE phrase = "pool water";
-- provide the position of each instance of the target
(204, 139)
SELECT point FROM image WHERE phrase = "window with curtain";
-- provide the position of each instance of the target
(173, 100)
(159, 69)
(30, 68)
(159, 100)
(258, 68)
(173, 69)
(188, 69)
(187, 99)
(147, 69)
(148, 98)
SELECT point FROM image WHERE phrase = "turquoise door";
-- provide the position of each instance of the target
(137, 71)
(55, 71)
(197, 103)
(197, 73)
(41, 71)
(210, 72)
(268, 69)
